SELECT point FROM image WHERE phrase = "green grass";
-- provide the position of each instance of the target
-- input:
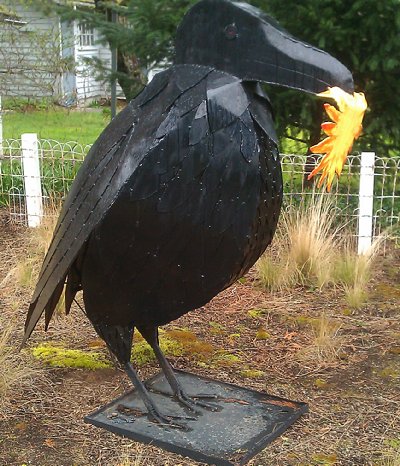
(59, 124)
(56, 123)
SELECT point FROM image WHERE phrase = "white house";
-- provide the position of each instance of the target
(40, 56)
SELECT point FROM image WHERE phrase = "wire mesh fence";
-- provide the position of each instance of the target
(59, 163)
(345, 193)
(11, 180)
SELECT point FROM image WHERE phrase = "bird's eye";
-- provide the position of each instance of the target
(231, 31)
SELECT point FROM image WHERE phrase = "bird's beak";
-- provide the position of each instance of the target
(278, 58)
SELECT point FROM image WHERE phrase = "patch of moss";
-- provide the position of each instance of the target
(202, 364)
(393, 443)
(181, 335)
(321, 384)
(57, 356)
(96, 343)
(171, 347)
(191, 344)
(389, 372)
(200, 349)
(21, 426)
(326, 460)
(395, 350)
(343, 356)
(256, 313)
(347, 312)
(216, 328)
(360, 323)
(252, 373)
(304, 321)
(262, 333)
(174, 342)
(226, 359)
(387, 291)
(143, 354)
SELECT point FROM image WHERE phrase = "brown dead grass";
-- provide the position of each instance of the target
(26, 268)
(325, 342)
(353, 271)
(311, 239)
(16, 371)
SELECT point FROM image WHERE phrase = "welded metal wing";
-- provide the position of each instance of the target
(113, 159)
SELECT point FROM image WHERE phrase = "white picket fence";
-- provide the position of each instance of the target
(366, 200)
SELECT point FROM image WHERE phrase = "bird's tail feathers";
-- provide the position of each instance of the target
(30, 321)
(52, 303)
(38, 306)
(72, 286)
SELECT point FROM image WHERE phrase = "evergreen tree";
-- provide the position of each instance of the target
(364, 36)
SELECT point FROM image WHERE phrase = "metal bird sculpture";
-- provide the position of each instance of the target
(181, 193)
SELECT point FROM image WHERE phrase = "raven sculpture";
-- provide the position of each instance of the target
(181, 193)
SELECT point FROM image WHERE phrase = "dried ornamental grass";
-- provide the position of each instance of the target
(311, 239)
(26, 267)
(304, 247)
(352, 271)
(15, 368)
(326, 341)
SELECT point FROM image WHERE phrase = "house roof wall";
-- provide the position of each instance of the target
(22, 52)
(39, 83)
(34, 18)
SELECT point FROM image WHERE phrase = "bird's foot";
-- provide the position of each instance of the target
(168, 420)
(155, 416)
(193, 402)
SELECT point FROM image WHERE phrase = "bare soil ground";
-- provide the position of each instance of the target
(350, 381)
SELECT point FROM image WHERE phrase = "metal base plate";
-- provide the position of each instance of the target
(246, 423)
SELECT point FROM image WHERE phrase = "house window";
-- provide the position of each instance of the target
(86, 35)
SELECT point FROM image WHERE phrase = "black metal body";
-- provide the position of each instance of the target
(197, 212)
(181, 193)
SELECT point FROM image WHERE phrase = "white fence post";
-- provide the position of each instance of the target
(1, 130)
(31, 170)
(366, 201)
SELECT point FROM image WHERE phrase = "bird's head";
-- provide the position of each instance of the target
(244, 41)
(237, 38)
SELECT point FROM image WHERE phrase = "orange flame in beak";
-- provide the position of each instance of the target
(342, 131)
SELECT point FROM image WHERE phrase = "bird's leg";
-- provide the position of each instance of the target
(151, 336)
(119, 342)
(152, 410)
